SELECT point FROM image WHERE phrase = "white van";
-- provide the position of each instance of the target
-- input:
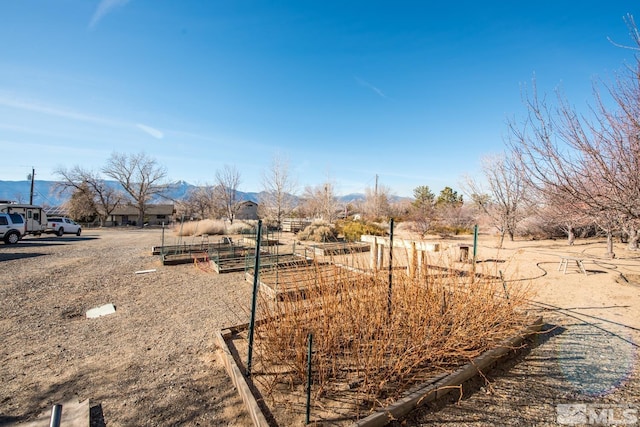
(35, 219)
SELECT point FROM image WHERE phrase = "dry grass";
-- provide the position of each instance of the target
(436, 321)
(212, 227)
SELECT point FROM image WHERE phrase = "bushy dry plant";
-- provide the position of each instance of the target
(198, 228)
(318, 231)
(242, 227)
(211, 227)
(437, 322)
(353, 230)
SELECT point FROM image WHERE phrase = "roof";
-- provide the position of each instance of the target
(56, 211)
(149, 210)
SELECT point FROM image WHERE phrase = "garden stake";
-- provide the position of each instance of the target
(252, 322)
(308, 415)
(475, 244)
(390, 267)
(504, 285)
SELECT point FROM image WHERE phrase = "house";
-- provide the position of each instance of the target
(247, 210)
(153, 215)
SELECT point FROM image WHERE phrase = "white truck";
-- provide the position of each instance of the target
(35, 218)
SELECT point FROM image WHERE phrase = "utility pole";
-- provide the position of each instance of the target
(375, 199)
(376, 190)
(32, 176)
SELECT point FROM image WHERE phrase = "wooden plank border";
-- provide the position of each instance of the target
(240, 382)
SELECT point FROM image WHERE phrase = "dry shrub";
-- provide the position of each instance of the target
(318, 231)
(198, 228)
(438, 321)
(212, 227)
(242, 227)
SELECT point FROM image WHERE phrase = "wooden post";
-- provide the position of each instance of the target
(373, 250)
(380, 257)
(413, 259)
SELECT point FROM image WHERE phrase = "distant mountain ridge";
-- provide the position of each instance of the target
(45, 194)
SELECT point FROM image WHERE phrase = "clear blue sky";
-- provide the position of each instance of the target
(415, 92)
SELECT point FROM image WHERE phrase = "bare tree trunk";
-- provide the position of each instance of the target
(141, 215)
(634, 237)
(571, 237)
(610, 252)
(502, 233)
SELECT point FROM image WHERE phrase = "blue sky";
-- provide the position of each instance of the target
(415, 92)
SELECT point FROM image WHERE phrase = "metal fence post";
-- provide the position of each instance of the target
(389, 296)
(309, 370)
(254, 303)
(56, 416)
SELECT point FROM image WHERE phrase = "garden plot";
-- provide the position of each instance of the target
(245, 260)
(292, 279)
(191, 252)
(374, 342)
(185, 258)
(337, 248)
(191, 247)
(264, 241)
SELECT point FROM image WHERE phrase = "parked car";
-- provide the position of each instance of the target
(61, 225)
(12, 228)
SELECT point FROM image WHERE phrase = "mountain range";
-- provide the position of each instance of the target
(45, 193)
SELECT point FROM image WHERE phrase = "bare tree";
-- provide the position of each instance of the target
(320, 202)
(105, 197)
(563, 214)
(139, 175)
(226, 190)
(593, 161)
(278, 198)
(504, 197)
(376, 202)
(590, 164)
(199, 202)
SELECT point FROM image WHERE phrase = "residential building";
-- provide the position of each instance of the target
(153, 215)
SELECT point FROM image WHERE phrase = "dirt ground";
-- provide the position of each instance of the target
(153, 362)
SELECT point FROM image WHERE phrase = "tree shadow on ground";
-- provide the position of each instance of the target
(167, 400)
(96, 417)
(56, 239)
(462, 405)
(14, 256)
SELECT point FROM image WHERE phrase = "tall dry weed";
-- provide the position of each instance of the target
(212, 227)
(437, 320)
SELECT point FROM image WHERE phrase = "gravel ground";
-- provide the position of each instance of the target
(573, 363)
(153, 362)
